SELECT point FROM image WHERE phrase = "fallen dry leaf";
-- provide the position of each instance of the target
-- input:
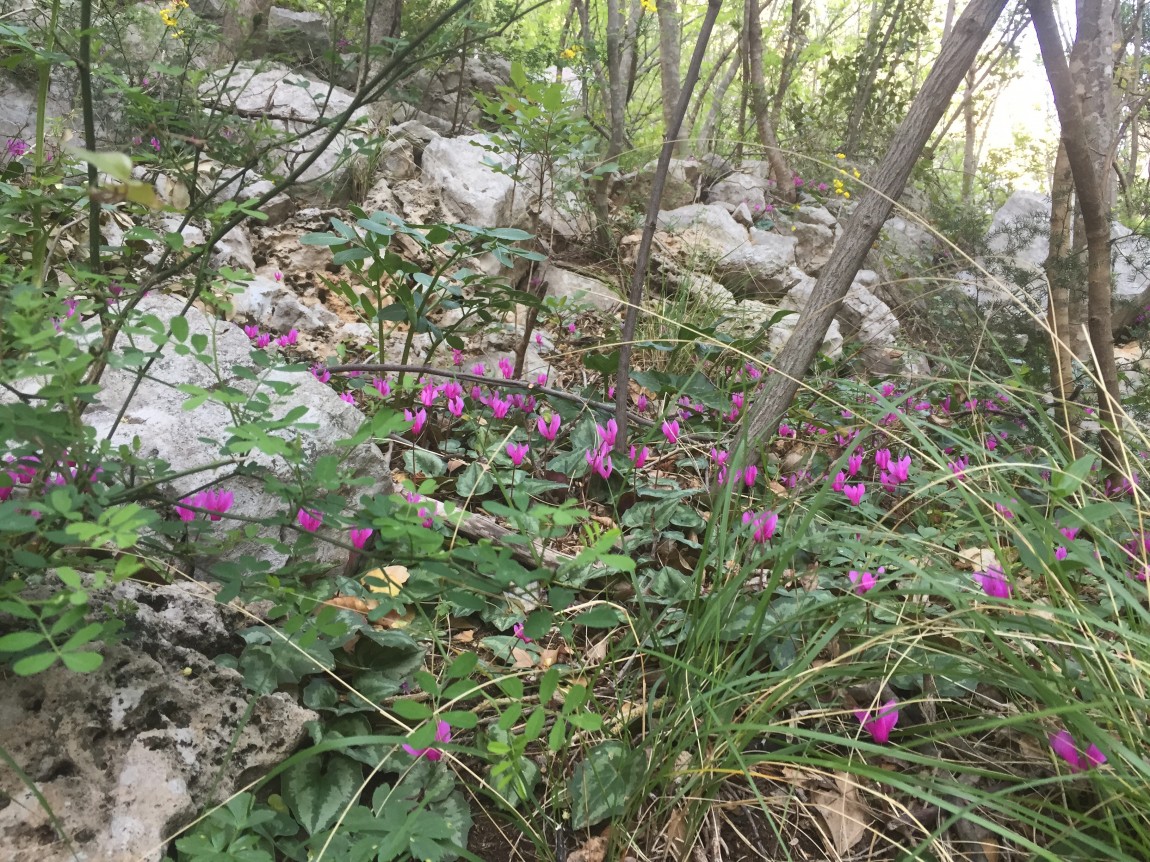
(522, 658)
(843, 812)
(387, 580)
(594, 850)
(465, 637)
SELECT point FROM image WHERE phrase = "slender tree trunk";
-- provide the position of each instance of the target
(784, 183)
(728, 65)
(1091, 199)
(705, 144)
(382, 20)
(670, 34)
(639, 275)
(616, 119)
(957, 54)
(875, 51)
(796, 38)
(969, 160)
(1058, 307)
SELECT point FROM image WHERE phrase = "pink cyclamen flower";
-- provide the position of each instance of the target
(671, 431)
(548, 429)
(882, 724)
(600, 460)
(442, 736)
(958, 468)
(499, 407)
(1079, 761)
(1060, 553)
(417, 420)
(854, 493)
(517, 629)
(750, 474)
(381, 386)
(455, 406)
(642, 403)
(854, 463)
(639, 458)
(359, 537)
(428, 394)
(1069, 533)
(764, 525)
(993, 582)
(309, 519)
(216, 502)
(187, 514)
(278, 276)
(155, 144)
(264, 340)
(517, 452)
(882, 459)
(862, 581)
(252, 331)
(507, 368)
(320, 373)
(286, 340)
(456, 357)
(607, 433)
(840, 482)
(900, 469)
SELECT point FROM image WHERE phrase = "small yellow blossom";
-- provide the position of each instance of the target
(648, 5)
(840, 155)
(856, 173)
(847, 195)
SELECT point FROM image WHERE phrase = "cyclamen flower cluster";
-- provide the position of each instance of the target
(216, 503)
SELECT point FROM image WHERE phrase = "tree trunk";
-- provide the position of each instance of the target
(381, 22)
(864, 87)
(616, 119)
(703, 135)
(1058, 305)
(1091, 200)
(639, 275)
(957, 54)
(670, 34)
(784, 182)
(796, 38)
(969, 161)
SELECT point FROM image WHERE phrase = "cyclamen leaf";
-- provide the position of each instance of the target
(316, 795)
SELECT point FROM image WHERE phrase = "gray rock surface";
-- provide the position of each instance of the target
(581, 290)
(191, 438)
(292, 103)
(132, 752)
(471, 192)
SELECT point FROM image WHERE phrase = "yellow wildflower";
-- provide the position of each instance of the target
(648, 5)
(856, 173)
(840, 155)
(847, 195)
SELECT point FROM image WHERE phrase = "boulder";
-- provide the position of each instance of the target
(580, 290)
(815, 242)
(130, 753)
(864, 317)
(704, 227)
(471, 192)
(187, 439)
(274, 306)
(292, 103)
(1020, 228)
(740, 188)
(909, 239)
(304, 36)
(1130, 256)
(764, 269)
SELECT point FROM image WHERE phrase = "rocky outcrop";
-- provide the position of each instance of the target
(130, 753)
